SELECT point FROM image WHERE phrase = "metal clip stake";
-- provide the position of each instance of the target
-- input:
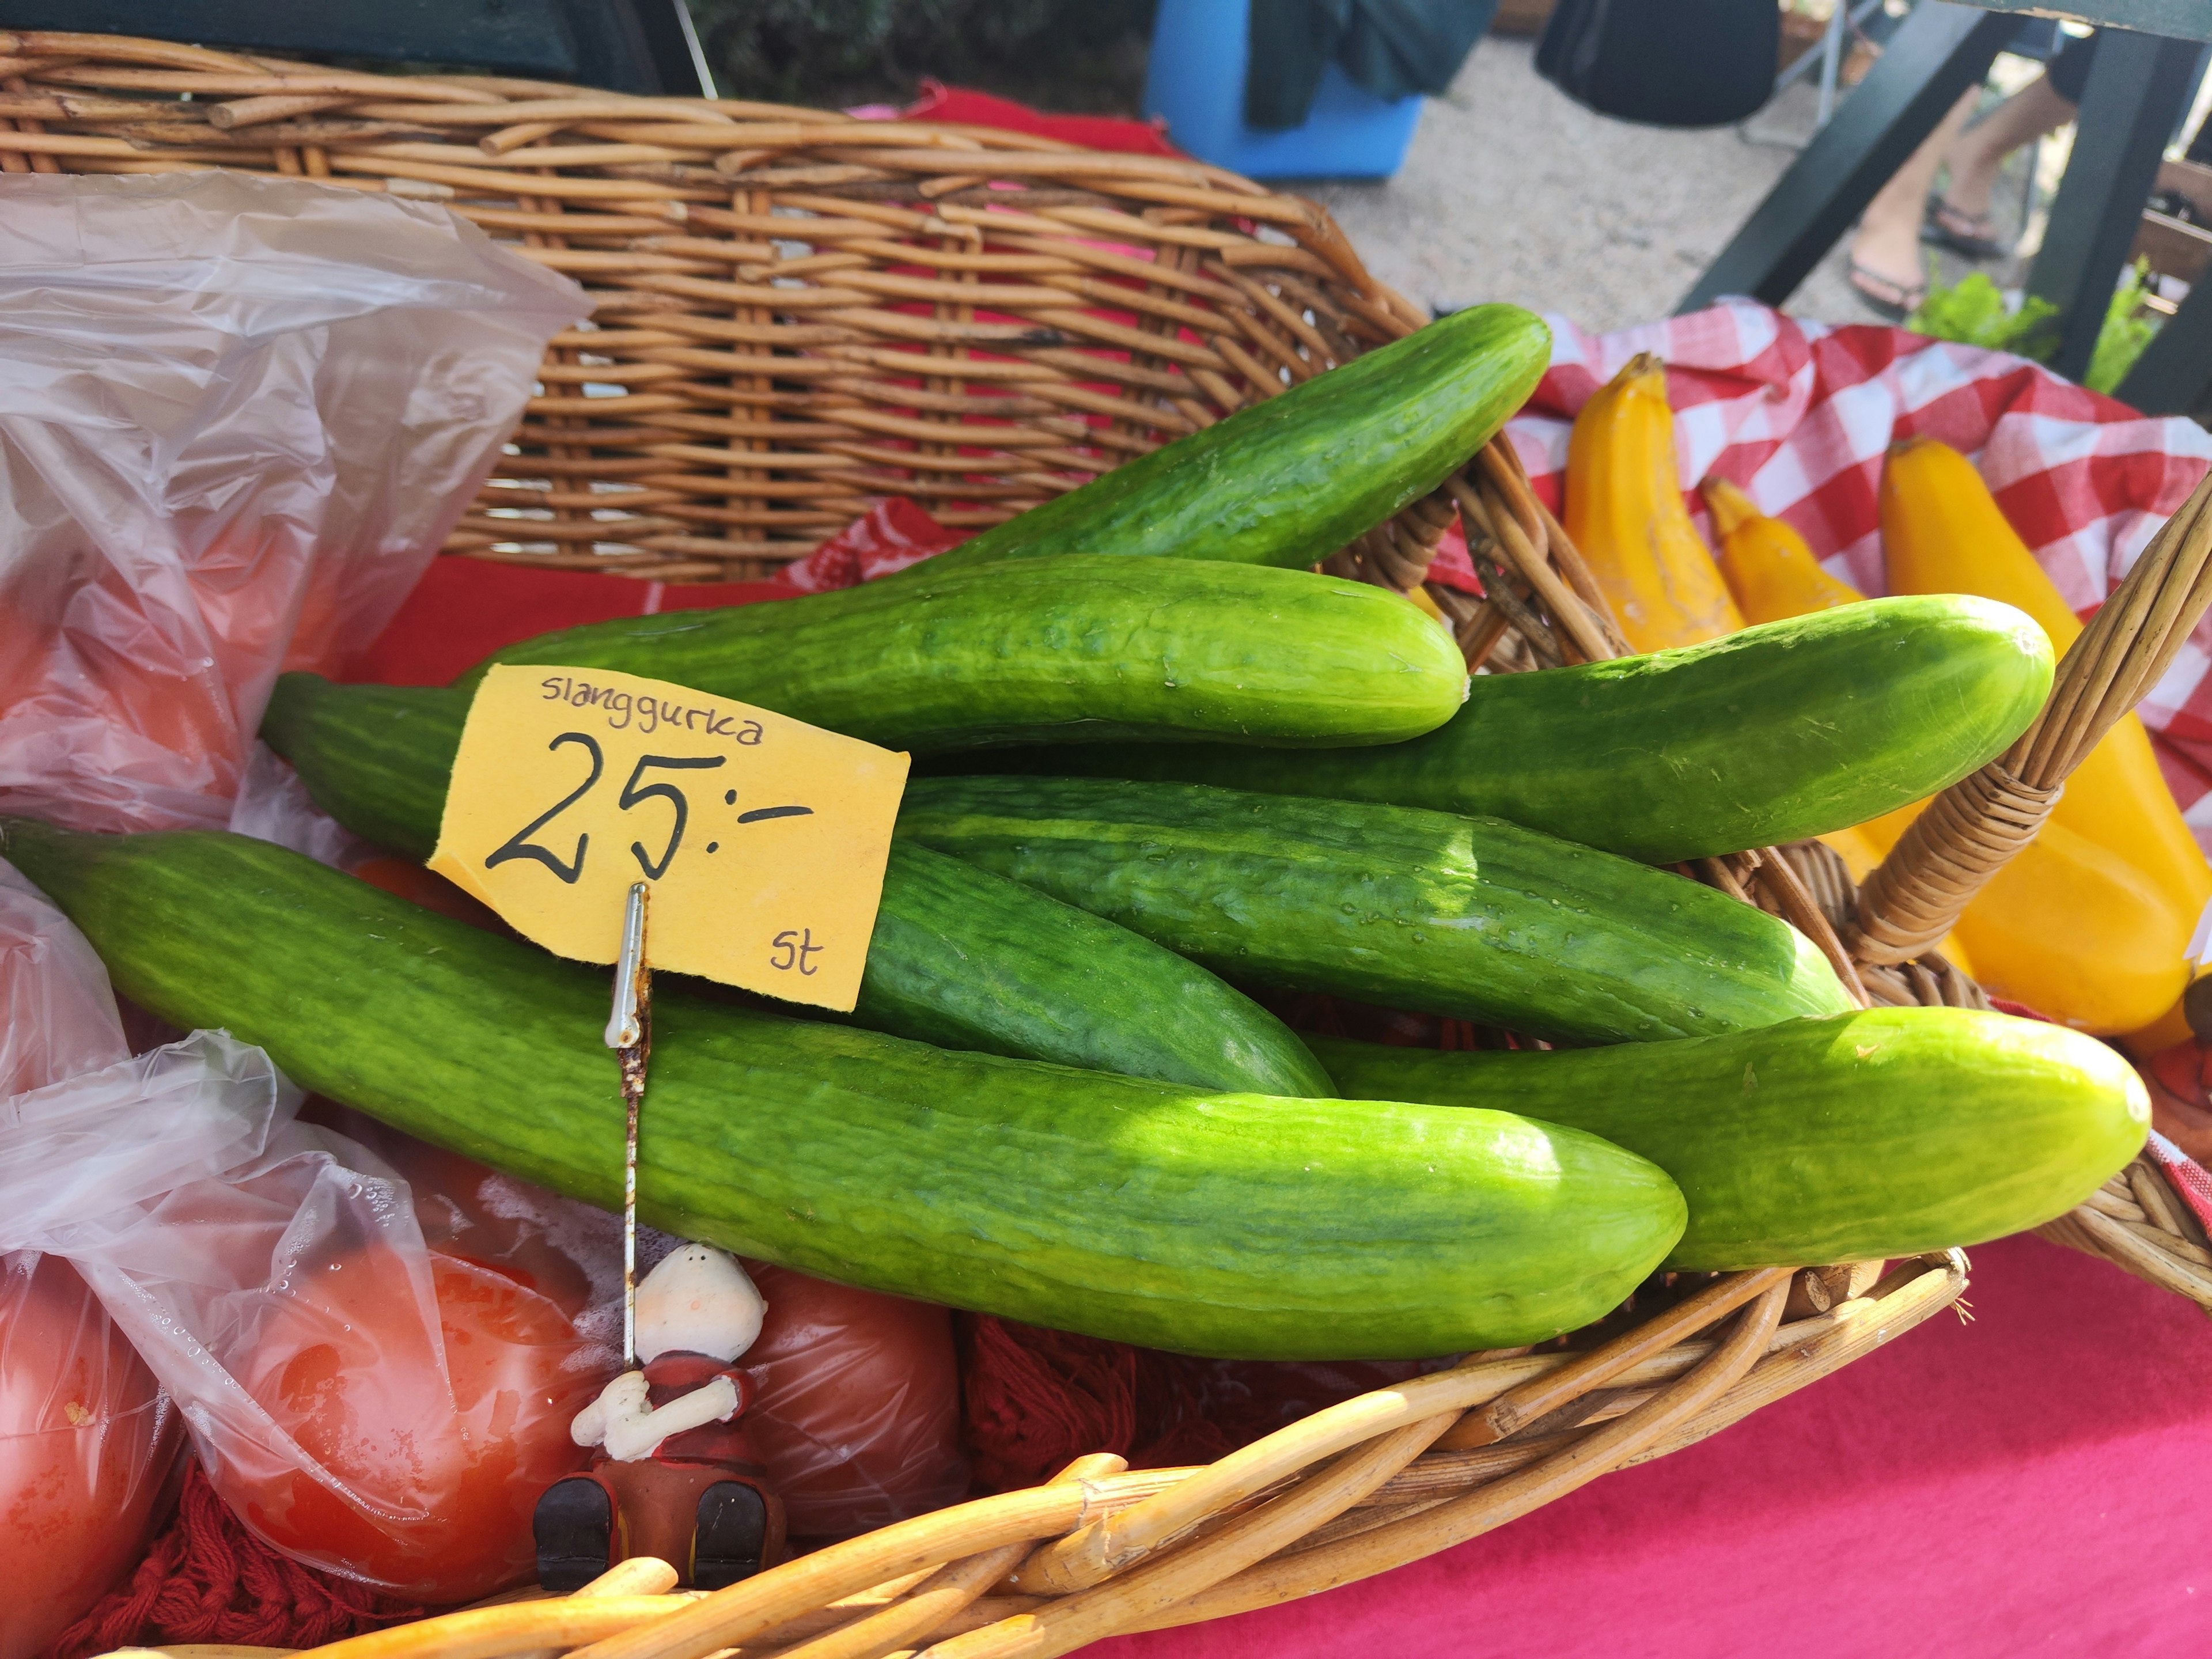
(630, 1033)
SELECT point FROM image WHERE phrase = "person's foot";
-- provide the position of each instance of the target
(1886, 294)
(1970, 234)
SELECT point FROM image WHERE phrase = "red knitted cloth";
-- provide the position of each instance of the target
(1035, 1400)
(206, 1579)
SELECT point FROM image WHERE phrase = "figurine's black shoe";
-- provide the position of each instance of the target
(732, 1535)
(574, 1525)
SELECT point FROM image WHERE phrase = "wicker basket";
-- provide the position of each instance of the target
(796, 313)
(1952, 849)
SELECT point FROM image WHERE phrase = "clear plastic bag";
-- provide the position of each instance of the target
(365, 1402)
(86, 1439)
(858, 1413)
(857, 1417)
(238, 417)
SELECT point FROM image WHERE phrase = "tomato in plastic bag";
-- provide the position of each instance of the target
(857, 1417)
(342, 1366)
(87, 1441)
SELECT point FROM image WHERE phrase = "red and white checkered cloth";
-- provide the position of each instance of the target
(2184, 1174)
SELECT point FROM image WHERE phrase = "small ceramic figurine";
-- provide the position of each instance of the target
(674, 1475)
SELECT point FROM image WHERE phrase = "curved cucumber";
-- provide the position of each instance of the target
(1228, 1224)
(965, 959)
(1879, 1133)
(1290, 480)
(1783, 731)
(959, 957)
(1469, 917)
(1082, 648)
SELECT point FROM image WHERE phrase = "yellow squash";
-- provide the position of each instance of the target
(1625, 511)
(1770, 571)
(1944, 532)
(1774, 576)
(2075, 931)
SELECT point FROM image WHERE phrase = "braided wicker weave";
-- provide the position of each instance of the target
(795, 310)
(1350, 1492)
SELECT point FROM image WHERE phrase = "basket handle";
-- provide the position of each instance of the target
(1969, 831)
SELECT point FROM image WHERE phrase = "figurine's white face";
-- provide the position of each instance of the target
(697, 1300)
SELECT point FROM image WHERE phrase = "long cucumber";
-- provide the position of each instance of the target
(1470, 917)
(1228, 1224)
(959, 957)
(1783, 731)
(1292, 478)
(1079, 648)
(1873, 1135)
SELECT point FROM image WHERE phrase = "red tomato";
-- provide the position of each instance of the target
(553, 1245)
(86, 1443)
(857, 1417)
(440, 1466)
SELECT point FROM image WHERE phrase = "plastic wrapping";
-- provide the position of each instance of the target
(87, 1444)
(86, 1439)
(857, 1417)
(366, 1403)
(239, 416)
(272, 805)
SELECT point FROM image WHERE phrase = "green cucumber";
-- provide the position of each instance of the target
(1290, 480)
(965, 959)
(959, 957)
(1239, 1226)
(1879, 1133)
(1781, 731)
(1084, 648)
(1470, 917)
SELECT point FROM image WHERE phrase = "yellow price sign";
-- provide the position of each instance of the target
(763, 839)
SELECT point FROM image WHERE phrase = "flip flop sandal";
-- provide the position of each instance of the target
(1891, 298)
(1968, 234)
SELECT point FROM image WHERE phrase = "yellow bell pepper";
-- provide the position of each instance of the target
(1768, 570)
(1625, 511)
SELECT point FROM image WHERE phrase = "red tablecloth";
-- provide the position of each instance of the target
(2039, 1480)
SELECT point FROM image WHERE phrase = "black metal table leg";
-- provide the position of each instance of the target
(2139, 88)
(2174, 374)
(1937, 52)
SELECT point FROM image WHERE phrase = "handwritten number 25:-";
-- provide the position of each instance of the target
(520, 846)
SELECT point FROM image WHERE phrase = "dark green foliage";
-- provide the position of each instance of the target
(1062, 54)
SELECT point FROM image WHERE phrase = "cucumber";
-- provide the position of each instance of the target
(959, 957)
(1290, 480)
(1470, 917)
(1884, 1132)
(965, 959)
(1783, 731)
(1239, 1226)
(1078, 648)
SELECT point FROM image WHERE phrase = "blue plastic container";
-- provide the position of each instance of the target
(1201, 50)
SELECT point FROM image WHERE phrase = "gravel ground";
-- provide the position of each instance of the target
(1513, 192)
